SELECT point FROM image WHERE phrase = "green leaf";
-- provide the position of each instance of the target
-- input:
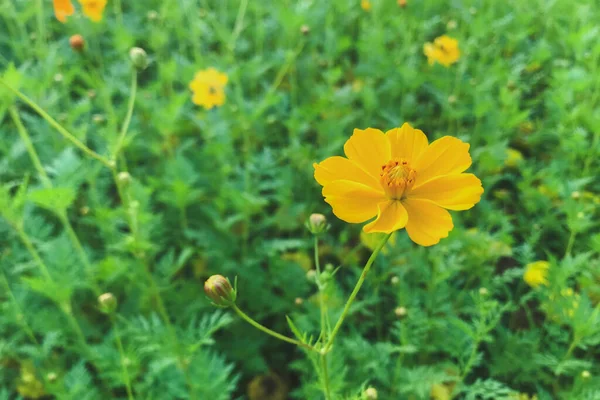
(54, 199)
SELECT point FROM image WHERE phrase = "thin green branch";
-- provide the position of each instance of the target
(359, 284)
(65, 133)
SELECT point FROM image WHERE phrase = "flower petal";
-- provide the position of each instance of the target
(337, 168)
(445, 156)
(454, 192)
(63, 9)
(352, 201)
(427, 222)
(369, 149)
(407, 142)
(391, 216)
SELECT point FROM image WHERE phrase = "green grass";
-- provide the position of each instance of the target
(227, 191)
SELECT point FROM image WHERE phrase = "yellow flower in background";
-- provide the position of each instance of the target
(63, 9)
(513, 158)
(365, 5)
(443, 50)
(402, 180)
(209, 88)
(93, 9)
(536, 273)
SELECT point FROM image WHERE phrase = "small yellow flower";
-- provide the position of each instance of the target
(63, 9)
(443, 50)
(365, 5)
(402, 180)
(536, 273)
(93, 9)
(513, 158)
(209, 88)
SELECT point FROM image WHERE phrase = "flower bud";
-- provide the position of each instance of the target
(402, 3)
(77, 42)
(219, 290)
(139, 58)
(586, 374)
(395, 280)
(400, 312)
(371, 393)
(305, 30)
(317, 224)
(299, 301)
(124, 178)
(483, 291)
(107, 302)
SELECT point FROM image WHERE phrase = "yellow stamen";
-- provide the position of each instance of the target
(397, 177)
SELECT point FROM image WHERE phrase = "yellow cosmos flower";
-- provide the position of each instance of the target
(365, 5)
(209, 88)
(536, 273)
(443, 50)
(402, 180)
(93, 9)
(63, 9)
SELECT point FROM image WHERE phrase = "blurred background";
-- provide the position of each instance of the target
(103, 263)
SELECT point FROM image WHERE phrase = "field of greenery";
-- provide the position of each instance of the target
(193, 206)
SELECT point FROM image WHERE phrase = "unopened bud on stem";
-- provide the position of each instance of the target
(139, 58)
(317, 224)
(107, 302)
(219, 290)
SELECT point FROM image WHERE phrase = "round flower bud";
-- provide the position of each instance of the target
(107, 302)
(51, 377)
(311, 275)
(400, 312)
(317, 224)
(305, 30)
(124, 178)
(586, 374)
(402, 3)
(77, 42)
(483, 291)
(299, 301)
(395, 280)
(219, 290)
(139, 58)
(371, 393)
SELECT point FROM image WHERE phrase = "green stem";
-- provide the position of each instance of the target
(128, 116)
(122, 356)
(269, 331)
(29, 146)
(325, 376)
(65, 133)
(41, 27)
(320, 287)
(359, 284)
(34, 253)
(20, 316)
(73, 236)
(239, 23)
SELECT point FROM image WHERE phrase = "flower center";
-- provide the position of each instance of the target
(397, 177)
(212, 90)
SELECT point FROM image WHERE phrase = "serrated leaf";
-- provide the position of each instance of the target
(53, 199)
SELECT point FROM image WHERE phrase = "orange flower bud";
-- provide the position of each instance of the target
(77, 42)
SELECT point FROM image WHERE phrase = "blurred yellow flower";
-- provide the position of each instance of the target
(365, 5)
(267, 387)
(402, 180)
(93, 9)
(209, 88)
(63, 9)
(536, 273)
(443, 50)
(513, 158)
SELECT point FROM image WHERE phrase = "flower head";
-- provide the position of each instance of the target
(93, 9)
(77, 42)
(536, 273)
(208, 87)
(365, 5)
(443, 50)
(402, 180)
(63, 9)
